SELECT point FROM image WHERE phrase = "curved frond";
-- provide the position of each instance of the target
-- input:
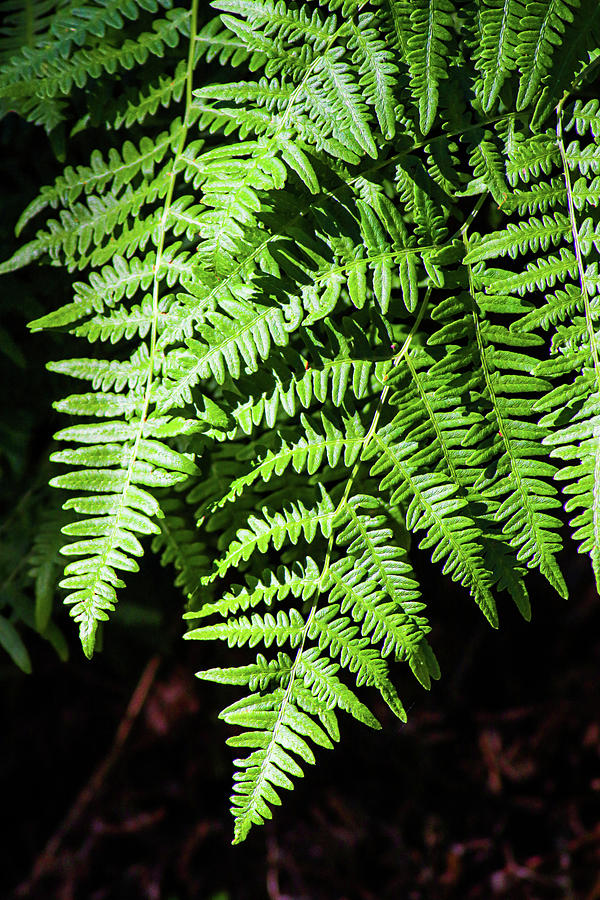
(338, 287)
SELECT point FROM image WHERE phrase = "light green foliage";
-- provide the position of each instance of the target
(339, 291)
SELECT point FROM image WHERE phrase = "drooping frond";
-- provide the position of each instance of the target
(498, 40)
(337, 276)
(373, 601)
(62, 51)
(542, 27)
(427, 54)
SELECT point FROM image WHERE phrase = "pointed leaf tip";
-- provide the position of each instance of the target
(87, 636)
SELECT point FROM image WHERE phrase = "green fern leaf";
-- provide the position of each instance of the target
(430, 27)
(542, 25)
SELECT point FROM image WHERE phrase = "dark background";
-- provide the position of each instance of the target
(491, 789)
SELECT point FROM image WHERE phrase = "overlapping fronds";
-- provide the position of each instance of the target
(53, 49)
(339, 296)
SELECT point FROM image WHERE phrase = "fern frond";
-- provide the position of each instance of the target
(522, 512)
(579, 444)
(540, 275)
(341, 440)
(301, 580)
(108, 542)
(71, 52)
(276, 528)
(577, 56)
(496, 55)
(516, 239)
(530, 156)
(62, 74)
(299, 351)
(374, 583)
(103, 175)
(25, 24)
(375, 64)
(427, 53)
(280, 729)
(542, 27)
(488, 166)
(431, 503)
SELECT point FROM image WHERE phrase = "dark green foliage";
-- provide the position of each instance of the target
(340, 285)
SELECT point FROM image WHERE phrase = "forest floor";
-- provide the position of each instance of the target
(115, 776)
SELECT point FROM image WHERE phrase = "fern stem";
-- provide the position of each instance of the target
(326, 563)
(595, 552)
(470, 218)
(576, 244)
(548, 565)
(161, 237)
(298, 89)
(433, 419)
(88, 629)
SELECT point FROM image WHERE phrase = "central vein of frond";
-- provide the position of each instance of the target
(309, 71)
(156, 286)
(474, 574)
(383, 256)
(578, 255)
(548, 566)
(592, 337)
(433, 419)
(322, 579)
